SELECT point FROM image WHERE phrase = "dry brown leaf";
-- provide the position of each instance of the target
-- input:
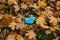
(7, 20)
(19, 37)
(41, 21)
(31, 34)
(20, 23)
(58, 4)
(56, 13)
(26, 0)
(2, 6)
(53, 21)
(11, 36)
(12, 2)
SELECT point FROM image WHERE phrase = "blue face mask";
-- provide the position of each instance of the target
(29, 20)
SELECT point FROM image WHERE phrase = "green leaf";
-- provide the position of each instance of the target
(40, 32)
(1, 20)
(44, 36)
(7, 9)
(48, 4)
(14, 14)
(29, 9)
(42, 9)
(19, 3)
(48, 23)
(9, 29)
(17, 31)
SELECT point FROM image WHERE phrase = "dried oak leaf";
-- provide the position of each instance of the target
(53, 21)
(56, 13)
(31, 34)
(41, 22)
(2, 6)
(20, 24)
(41, 4)
(11, 36)
(6, 21)
(12, 2)
(26, 1)
(19, 37)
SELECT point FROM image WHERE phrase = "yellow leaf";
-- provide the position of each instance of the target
(19, 37)
(41, 4)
